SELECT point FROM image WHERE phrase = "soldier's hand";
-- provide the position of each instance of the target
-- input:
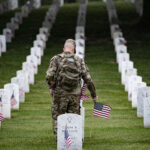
(95, 98)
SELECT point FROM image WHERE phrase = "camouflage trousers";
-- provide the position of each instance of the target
(64, 104)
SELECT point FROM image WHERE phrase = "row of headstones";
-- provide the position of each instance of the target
(8, 5)
(138, 92)
(139, 6)
(74, 122)
(112, 14)
(9, 31)
(14, 92)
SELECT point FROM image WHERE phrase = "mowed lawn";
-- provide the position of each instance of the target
(30, 127)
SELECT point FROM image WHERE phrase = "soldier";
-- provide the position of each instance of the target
(64, 79)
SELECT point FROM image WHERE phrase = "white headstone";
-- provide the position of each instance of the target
(128, 73)
(73, 122)
(117, 34)
(125, 65)
(40, 44)
(28, 67)
(142, 93)
(45, 31)
(36, 3)
(135, 92)
(42, 37)
(6, 108)
(20, 82)
(80, 29)
(14, 95)
(18, 16)
(147, 112)
(34, 61)
(15, 22)
(23, 74)
(8, 35)
(132, 81)
(25, 11)
(2, 43)
(11, 26)
(12, 4)
(36, 51)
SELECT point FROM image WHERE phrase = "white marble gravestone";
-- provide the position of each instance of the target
(34, 61)
(6, 108)
(121, 49)
(128, 73)
(73, 122)
(20, 82)
(132, 81)
(80, 51)
(80, 29)
(45, 31)
(42, 37)
(28, 67)
(119, 41)
(11, 26)
(18, 16)
(125, 66)
(36, 4)
(117, 34)
(142, 93)
(8, 35)
(80, 43)
(147, 111)
(2, 43)
(135, 92)
(15, 22)
(79, 36)
(40, 44)
(25, 11)
(23, 74)
(36, 51)
(114, 28)
(14, 94)
(12, 4)
(122, 57)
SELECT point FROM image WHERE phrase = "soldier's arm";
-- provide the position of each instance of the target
(88, 80)
(51, 72)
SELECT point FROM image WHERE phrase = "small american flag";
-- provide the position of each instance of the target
(101, 110)
(13, 100)
(1, 117)
(67, 139)
(83, 95)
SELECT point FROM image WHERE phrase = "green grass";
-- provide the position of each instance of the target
(30, 127)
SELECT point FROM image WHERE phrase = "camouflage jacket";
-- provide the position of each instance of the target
(51, 77)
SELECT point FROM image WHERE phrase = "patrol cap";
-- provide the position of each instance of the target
(69, 42)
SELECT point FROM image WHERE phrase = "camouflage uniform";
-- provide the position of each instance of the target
(63, 101)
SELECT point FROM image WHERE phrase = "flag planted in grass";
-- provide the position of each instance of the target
(13, 100)
(67, 139)
(101, 110)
